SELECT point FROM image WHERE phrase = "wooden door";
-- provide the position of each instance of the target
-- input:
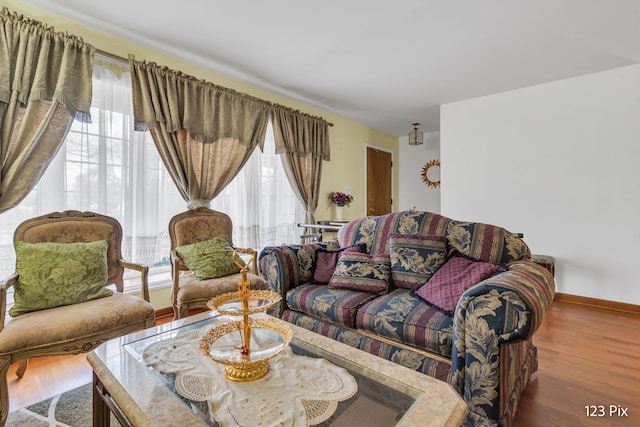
(379, 198)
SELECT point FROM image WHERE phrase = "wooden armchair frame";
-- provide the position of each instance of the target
(193, 226)
(74, 328)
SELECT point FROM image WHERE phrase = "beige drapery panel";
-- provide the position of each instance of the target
(204, 133)
(45, 81)
(303, 143)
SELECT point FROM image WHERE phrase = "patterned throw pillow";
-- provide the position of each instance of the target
(485, 242)
(362, 272)
(56, 274)
(326, 261)
(209, 259)
(414, 258)
(446, 286)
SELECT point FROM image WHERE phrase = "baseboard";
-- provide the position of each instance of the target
(598, 303)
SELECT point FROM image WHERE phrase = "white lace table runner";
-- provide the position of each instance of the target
(297, 390)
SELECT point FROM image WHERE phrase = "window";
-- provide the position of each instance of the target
(106, 167)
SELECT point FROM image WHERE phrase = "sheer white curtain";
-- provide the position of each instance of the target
(261, 203)
(113, 170)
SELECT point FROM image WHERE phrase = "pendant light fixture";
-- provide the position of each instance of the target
(416, 137)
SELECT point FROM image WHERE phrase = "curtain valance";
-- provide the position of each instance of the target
(300, 134)
(40, 64)
(208, 112)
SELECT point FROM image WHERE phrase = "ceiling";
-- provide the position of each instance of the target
(386, 64)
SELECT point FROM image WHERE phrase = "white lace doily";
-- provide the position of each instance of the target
(297, 390)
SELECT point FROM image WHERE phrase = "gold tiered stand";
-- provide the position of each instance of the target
(270, 336)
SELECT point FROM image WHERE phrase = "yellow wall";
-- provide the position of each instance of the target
(348, 138)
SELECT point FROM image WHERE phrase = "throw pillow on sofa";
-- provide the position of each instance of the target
(326, 261)
(446, 286)
(414, 258)
(362, 272)
(485, 242)
(56, 274)
(209, 259)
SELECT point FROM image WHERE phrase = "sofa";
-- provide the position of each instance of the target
(435, 315)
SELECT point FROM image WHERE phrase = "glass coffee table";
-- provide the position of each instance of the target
(139, 395)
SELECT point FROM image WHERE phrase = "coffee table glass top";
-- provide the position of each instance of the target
(372, 396)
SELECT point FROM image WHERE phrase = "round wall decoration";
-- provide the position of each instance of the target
(425, 173)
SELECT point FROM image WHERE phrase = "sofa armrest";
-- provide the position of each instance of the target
(285, 267)
(504, 309)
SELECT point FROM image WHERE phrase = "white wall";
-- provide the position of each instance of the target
(413, 192)
(558, 162)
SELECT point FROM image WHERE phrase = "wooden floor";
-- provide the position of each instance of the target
(587, 357)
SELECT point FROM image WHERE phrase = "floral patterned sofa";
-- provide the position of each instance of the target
(483, 346)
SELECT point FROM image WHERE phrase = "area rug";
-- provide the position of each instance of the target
(72, 408)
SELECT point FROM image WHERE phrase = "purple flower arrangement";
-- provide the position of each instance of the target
(340, 199)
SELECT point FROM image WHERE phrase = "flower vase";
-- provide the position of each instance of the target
(339, 213)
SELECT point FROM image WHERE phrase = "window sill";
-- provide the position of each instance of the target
(158, 280)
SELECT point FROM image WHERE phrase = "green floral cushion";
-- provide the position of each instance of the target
(56, 274)
(209, 259)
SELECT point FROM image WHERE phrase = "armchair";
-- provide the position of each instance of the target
(71, 327)
(199, 226)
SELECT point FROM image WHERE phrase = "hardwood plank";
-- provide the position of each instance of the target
(586, 356)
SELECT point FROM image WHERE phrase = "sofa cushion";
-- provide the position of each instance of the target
(210, 258)
(326, 261)
(57, 274)
(485, 242)
(374, 231)
(414, 258)
(403, 317)
(76, 323)
(420, 361)
(192, 289)
(326, 303)
(362, 272)
(458, 274)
